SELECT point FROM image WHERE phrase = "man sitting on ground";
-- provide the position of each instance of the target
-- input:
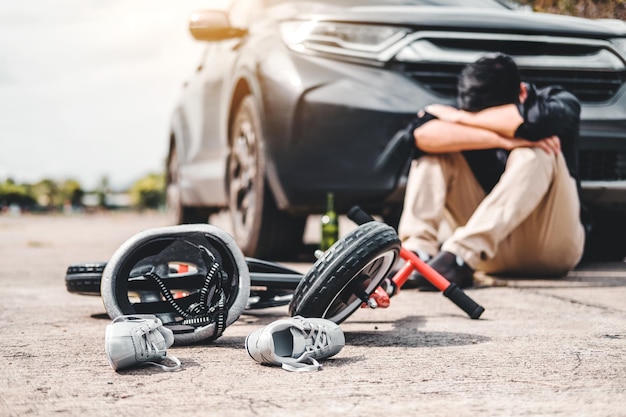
(502, 171)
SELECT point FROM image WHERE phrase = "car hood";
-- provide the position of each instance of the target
(469, 19)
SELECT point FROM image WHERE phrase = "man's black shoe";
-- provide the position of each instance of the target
(413, 280)
(416, 280)
(452, 267)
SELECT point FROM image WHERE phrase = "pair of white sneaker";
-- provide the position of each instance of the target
(296, 343)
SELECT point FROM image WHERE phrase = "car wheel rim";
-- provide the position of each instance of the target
(243, 177)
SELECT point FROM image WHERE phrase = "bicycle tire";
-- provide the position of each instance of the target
(273, 287)
(84, 279)
(359, 261)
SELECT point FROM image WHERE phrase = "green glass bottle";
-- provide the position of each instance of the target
(330, 224)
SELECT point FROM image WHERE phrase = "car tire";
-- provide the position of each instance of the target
(260, 229)
(606, 242)
(182, 214)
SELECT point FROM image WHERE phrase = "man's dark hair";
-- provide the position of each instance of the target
(492, 80)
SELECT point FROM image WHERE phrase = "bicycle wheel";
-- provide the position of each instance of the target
(271, 284)
(347, 273)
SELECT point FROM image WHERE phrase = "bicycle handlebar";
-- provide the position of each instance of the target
(463, 301)
(359, 216)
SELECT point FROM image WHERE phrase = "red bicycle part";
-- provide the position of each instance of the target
(379, 297)
(414, 263)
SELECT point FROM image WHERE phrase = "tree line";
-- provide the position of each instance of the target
(52, 195)
(593, 9)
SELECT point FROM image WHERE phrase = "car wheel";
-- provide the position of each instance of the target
(607, 240)
(260, 229)
(181, 213)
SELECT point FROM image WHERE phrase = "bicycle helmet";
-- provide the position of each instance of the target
(194, 278)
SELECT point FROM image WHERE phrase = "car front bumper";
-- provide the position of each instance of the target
(326, 133)
(326, 128)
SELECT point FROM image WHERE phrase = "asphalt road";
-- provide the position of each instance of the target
(542, 348)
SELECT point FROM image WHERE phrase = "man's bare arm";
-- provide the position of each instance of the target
(438, 136)
(504, 120)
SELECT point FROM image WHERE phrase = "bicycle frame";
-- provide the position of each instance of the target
(413, 263)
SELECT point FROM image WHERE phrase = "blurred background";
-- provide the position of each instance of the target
(87, 88)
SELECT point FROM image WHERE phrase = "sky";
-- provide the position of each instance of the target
(87, 87)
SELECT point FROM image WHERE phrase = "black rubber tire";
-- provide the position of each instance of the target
(361, 259)
(84, 278)
(260, 228)
(607, 240)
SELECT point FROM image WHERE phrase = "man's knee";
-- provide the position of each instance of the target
(530, 155)
(435, 159)
(532, 159)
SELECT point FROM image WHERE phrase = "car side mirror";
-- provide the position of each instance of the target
(213, 25)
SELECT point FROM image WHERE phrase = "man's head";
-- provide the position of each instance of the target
(492, 80)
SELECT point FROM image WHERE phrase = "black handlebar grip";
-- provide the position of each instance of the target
(458, 297)
(359, 216)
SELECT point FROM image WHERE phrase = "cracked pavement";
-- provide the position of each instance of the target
(542, 347)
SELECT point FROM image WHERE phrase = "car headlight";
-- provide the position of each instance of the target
(365, 41)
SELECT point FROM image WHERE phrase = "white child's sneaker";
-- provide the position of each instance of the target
(296, 343)
(138, 340)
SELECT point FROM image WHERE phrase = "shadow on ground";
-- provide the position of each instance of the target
(588, 274)
(406, 333)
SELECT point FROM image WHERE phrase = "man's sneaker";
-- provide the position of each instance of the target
(296, 343)
(138, 339)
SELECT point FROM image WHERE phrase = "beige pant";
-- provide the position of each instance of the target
(528, 224)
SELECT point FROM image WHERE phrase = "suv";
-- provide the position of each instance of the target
(294, 99)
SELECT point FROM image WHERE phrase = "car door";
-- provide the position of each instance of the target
(206, 107)
(218, 70)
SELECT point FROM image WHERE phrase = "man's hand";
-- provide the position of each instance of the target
(501, 120)
(445, 113)
(551, 145)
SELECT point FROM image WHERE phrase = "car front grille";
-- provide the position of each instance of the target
(602, 165)
(587, 86)
(590, 70)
